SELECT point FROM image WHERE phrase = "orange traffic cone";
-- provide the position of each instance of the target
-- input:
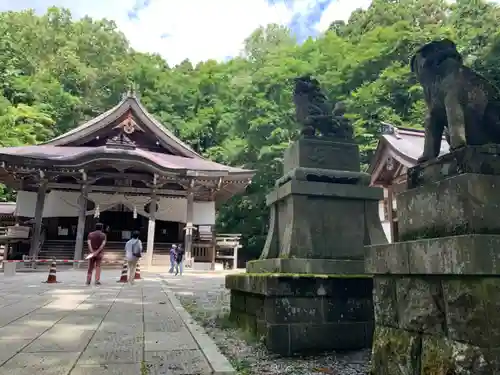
(123, 277)
(137, 272)
(52, 278)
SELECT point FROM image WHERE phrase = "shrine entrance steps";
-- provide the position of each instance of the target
(113, 255)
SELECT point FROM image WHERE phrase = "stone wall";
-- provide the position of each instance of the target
(437, 293)
(436, 325)
(300, 314)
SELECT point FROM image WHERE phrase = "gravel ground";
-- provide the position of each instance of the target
(204, 296)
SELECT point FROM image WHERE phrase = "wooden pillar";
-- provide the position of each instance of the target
(188, 238)
(214, 247)
(390, 209)
(37, 228)
(235, 257)
(151, 229)
(80, 230)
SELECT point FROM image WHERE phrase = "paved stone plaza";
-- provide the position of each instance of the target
(71, 329)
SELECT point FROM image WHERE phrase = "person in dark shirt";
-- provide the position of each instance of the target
(179, 257)
(96, 242)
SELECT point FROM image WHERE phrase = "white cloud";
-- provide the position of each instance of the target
(195, 29)
(177, 29)
(200, 29)
(340, 10)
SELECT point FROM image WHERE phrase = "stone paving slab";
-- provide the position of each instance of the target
(108, 369)
(60, 339)
(40, 364)
(159, 341)
(110, 355)
(177, 362)
(9, 348)
(113, 329)
(169, 324)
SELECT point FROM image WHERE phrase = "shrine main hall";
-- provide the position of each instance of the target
(125, 170)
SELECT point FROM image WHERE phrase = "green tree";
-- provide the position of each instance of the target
(56, 72)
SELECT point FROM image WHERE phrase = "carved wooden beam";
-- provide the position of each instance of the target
(156, 183)
(117, 189)
(217, 187)
(202, 177)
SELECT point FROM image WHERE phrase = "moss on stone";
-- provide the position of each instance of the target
(441, 231)
(395, 351)
(436, 356)
(305, 275)
(246, 324)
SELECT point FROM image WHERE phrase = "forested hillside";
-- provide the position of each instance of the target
(57, 72)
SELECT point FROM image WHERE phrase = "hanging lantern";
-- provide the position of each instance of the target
(96, 212)
(135, 212)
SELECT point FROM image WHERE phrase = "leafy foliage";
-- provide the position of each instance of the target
(56, 72)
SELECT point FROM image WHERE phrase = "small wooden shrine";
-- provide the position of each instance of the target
(398, 149)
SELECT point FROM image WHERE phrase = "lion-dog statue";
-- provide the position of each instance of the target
(314, 112)
(457, 99)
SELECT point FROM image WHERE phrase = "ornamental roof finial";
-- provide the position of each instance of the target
(131, 91)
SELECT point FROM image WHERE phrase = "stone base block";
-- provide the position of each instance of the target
(471, 159)
(463, 204)
(9, 269)
(304, 314)
(316, 220)
(400, 352)
(306, 266)
(325, 176)
(475, 254)
(439, 324)
(320, 153)
(436, 304)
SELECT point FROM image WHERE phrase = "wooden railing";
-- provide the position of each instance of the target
(202, 252)
(15, 231)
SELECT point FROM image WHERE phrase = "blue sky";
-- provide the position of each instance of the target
(201, 29)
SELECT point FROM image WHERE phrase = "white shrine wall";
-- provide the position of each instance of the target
(65, 204)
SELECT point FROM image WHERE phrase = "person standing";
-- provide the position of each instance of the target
(179, 257)
(173, 251)
(96, 241)
(133, 251)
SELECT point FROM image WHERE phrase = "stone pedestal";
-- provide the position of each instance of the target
(9, 269)
(437, 294)
(322, 215)
(304, 314)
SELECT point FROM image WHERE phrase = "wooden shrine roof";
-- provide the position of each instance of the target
(128, 136)
(397, 150)
(129, 103)
(77, 157)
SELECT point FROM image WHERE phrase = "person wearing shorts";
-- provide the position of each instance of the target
(96, 242)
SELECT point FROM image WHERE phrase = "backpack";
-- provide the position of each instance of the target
(179, 255)
(136, 249)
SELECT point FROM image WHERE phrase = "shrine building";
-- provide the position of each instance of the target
(398, 149)
(127, 171)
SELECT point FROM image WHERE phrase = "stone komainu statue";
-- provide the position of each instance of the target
(457, 98)
(314, 112)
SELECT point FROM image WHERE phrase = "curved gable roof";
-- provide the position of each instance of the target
(404, 145)
(129, 102)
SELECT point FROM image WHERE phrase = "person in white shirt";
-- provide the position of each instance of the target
(133, 251)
